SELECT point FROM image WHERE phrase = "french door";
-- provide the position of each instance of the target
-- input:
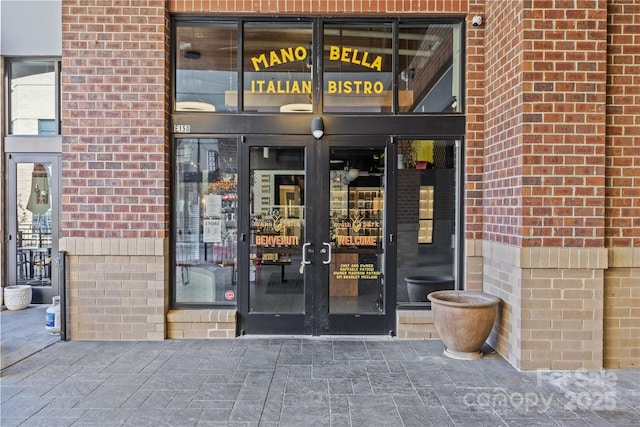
(315, 236)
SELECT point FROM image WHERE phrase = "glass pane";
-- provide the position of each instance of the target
(205, 213)
(32, 96)
(426, 209)
(277, 67)
(358, 68)
(356, 205)
(277, 212)
(206, 67)
(33, 237)
(429, 64)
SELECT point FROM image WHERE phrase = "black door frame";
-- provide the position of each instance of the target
(359, 323)
(316, 319)
(263, 323)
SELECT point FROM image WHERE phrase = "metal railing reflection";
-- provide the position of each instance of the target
(33, 255)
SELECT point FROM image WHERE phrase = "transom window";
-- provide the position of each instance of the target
(358, 66)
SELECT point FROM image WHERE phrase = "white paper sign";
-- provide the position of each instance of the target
(212, 231)
(213, 205)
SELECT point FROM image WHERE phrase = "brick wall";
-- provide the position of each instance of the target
(622, 309)
(545, 72)
(201, 324)
(623, 126)
(474, 147)
(563, 123)
(622, 231)
(552, 308)
(544, 171)
(114, 209)
(318, 6)
(114, 119)
(502, 181)
(474, 110)
(117, 288)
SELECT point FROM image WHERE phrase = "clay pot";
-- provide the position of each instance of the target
(464, 320)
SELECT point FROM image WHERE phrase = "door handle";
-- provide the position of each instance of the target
(304, 254)
(328, 245)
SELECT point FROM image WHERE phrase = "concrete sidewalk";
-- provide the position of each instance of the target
(23, 333)
(301, 381)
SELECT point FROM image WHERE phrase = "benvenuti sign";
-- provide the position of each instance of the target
(300, 53)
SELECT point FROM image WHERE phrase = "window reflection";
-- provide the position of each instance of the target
(357, 68)
(426, 209)
(429, 68)
(205, 209)
(206, 70)
(277, 67)
(32, 98)
(277, 223)
(33, 212)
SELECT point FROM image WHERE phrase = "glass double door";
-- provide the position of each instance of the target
(316, 237)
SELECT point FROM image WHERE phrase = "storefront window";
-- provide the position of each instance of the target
(33, 98)
(206, 67)
(429, 64)
(277, 66)
(205, 211)
(358, 64)
(357, 74)
(426, 206)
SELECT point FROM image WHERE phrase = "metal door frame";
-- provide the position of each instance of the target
(316, 320)
(41, 294)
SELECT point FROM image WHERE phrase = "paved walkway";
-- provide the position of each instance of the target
(301, 381)
(22, 333)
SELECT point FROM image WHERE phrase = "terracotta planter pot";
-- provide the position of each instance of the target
(464, 320)
(17, 297)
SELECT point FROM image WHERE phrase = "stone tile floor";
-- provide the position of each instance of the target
(301, 381)
(22, 333)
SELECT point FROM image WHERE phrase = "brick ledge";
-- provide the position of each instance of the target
(201, 324)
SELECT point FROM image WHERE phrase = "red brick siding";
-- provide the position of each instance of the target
(318, 6)
(475, 113)
(503, 120)
(623, 126)
(564, 84)
(114, 119)
(545, 131)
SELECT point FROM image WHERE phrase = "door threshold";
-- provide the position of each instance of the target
(380, 337)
